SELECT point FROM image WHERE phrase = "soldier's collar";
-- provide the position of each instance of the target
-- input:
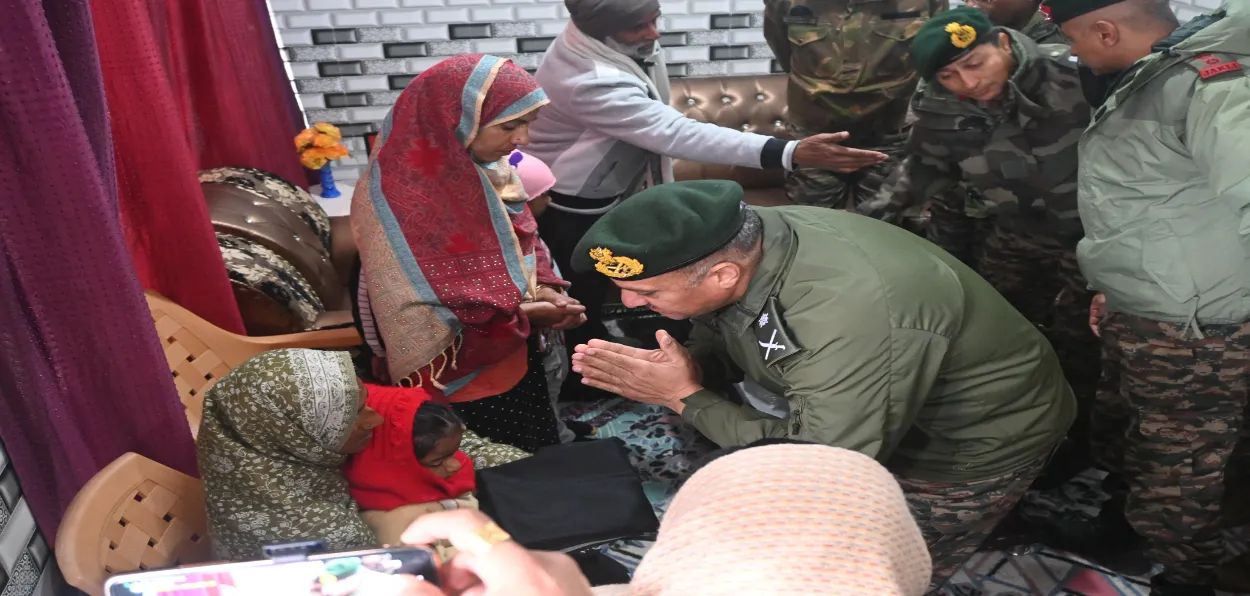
(779, 249)
(1026, 81)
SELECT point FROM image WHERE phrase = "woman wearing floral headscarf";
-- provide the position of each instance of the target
(453, 273)
(276, 431)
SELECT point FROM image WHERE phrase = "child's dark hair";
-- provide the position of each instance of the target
(433, 423)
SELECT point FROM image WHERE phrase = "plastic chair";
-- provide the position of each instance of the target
(135, 514)
(199, 353)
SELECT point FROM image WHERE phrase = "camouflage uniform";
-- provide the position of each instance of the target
(1165, 242)
(850, 70)
(1022, 159)
(1178, 405)
(955, 518)
(960, 222)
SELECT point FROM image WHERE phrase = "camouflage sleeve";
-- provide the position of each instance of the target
(775, 31)
(920, 177)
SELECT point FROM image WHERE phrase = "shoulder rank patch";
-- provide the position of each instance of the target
(775, 343)
(1210, 66)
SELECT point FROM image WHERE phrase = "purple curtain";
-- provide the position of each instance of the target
(82, 375)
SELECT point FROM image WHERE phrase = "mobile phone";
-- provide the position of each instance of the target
(358, 573)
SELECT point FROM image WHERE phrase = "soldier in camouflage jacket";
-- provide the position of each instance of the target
(1019, 152)
(961, 221)
(849, 66)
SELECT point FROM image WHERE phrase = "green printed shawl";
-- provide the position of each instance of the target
(268, 453)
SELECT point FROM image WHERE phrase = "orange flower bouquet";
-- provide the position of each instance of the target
(318, 145)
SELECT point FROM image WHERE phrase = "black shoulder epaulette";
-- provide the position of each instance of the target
(774, 341)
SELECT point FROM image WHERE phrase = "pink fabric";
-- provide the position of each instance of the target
(787, 519)
(535, 176)
(236, 103)
(163, 214)
(83, 379)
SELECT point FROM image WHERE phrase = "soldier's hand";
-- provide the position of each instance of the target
(1097, 310)
(662, 377)
(827, 152)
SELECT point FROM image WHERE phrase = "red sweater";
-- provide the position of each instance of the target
(387, 474)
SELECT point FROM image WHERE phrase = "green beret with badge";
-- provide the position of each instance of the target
(662, 229)
(946, 37)
(1062, 11)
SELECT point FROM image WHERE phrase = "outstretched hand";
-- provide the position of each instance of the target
(826, 151)
(574, 314)
(662, 377)
(503, 569)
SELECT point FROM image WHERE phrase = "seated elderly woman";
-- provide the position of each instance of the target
(453, 278)
(275, 432)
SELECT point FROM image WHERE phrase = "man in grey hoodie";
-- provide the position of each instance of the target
(609, 132)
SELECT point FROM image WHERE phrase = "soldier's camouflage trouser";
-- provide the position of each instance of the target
(955, 518)
(1041, 278)
(1178, 404)
(822, 188)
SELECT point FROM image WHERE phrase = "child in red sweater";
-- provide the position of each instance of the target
(413, 464)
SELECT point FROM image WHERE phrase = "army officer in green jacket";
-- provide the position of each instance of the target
(875, 339)
(1164, 196)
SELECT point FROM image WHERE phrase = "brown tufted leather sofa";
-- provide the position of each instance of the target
(751, 103)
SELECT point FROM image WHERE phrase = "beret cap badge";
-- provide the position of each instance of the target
(614, 266)
(962, 35)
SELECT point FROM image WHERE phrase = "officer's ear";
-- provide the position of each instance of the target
(725, 275)
(1106, 33)
(1004, 42)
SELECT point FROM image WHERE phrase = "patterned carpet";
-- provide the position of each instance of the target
(665, 449)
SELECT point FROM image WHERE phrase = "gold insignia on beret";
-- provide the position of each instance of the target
(962, 36)
(614, 266)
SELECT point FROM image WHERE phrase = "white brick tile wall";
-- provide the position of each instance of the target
(495, 46)
(450, 15)
(492, 15)
(361, 51)
(312, 101)
(329, 4)
(426, 33)
(304, 70)
(296, 37)
(367, 27)
(307, 20)
(287, 5)
(537, 12)
(403, 17)
(355, 19)
(697, 22)
(747, 36)
(550, 28)
(367, 83)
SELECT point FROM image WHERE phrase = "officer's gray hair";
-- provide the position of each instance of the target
(743, 249)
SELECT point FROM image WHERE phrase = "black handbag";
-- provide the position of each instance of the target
(569, 497)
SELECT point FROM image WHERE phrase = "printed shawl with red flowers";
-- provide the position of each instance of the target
(448, 259)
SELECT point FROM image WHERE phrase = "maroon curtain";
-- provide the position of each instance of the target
(82, 376)
(162, 209)
(237, 104)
